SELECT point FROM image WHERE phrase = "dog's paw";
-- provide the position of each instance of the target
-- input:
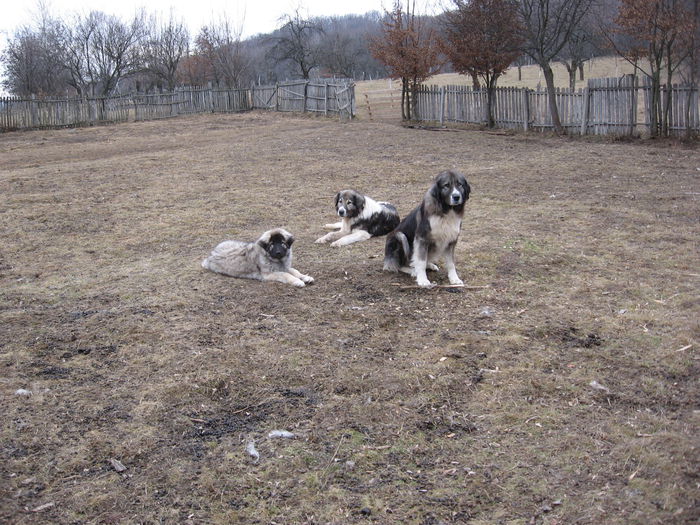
(432, 267)
(307, 279)
(298, 283)
(320, 240)
(337, 244)
(456, 281)
(424, 283)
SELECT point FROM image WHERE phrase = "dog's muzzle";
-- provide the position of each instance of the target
(342, 212)
(456, 198)
(277, 252)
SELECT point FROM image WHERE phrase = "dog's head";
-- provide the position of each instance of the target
(349, 203)
(277, 243)
(451, 190)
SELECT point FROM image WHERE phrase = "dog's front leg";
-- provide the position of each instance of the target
(330, 237)
(356, 236)
(333, 226)
(334, 236)
(450, 264)
(420, 261)
(306, 278)
(283, 277)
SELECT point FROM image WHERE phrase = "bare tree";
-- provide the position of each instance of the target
(165, 46)
(220, 55)
(584, 43)
(547, 27)
(230, 58)
(298, 43)
(662, 33)
(32, 58)
(482, 38)
(100, 49)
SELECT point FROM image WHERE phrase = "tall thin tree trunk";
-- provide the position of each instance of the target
(551, 95)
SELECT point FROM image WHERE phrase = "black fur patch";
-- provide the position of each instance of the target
(379, 223)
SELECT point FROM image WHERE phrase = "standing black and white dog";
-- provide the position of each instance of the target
(362, 218)
(430, 231)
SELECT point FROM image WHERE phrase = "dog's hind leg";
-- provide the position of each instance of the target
(407, 269)
(306, 278)
(283, 277)
(356, 236)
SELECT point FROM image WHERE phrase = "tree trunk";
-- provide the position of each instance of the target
(475, 80)
(571, 69)
(693, 72)
(549, 79)
(490, 91)
(668, 111)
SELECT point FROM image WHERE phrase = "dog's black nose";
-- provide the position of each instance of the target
(341, 212)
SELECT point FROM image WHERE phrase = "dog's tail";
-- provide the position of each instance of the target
(396, 252)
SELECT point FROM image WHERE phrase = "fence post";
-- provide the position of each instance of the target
(306, 95)
(586, 110)
(277, 96)
(526, 109)
(325, 105)
(442, 105)
(633, 106)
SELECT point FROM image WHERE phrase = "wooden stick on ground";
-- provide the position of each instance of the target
(412, 286)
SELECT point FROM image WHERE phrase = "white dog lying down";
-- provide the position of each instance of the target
(267, 259)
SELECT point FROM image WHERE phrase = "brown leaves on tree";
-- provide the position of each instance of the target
(408, 48)
(482, 38)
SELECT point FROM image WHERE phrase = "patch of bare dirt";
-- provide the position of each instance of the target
(562, 388)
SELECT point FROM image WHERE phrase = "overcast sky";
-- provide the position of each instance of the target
(254, 16)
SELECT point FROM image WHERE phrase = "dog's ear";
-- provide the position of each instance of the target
(359, 200)
(290, 240)
(465, 185)
(337, 198)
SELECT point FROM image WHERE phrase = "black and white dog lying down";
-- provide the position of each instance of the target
(362, 218)
(267, 259)
(430, 231)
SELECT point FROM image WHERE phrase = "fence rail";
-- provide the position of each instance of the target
(303, 96)
(607, 106)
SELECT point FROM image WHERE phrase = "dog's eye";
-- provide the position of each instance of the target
(348, 202)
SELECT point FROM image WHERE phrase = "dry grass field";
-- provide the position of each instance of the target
(561, 387)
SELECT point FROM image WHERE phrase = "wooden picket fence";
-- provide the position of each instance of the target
(322, 97)
(607, 106)
(304, 96)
